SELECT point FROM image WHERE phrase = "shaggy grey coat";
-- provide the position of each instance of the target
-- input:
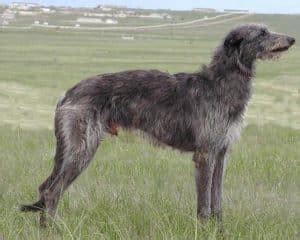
(200, 112)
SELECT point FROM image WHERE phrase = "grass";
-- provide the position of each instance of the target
(133, 190)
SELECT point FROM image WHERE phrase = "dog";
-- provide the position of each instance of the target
(199, 112)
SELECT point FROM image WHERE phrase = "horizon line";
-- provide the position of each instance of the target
(139, 7)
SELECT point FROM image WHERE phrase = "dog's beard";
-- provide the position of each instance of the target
(273, 53)
(269, 55)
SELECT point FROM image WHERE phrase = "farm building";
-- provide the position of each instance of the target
(111, 21)
(98, 15)
(90, 20)
(109, 7)
(127, 37)
(236, 11)
(120, 15)
(5, 23)
(204, 10)
(8, 15)
(48, 10)
(27, 13)
(156, 15)
(23, 5)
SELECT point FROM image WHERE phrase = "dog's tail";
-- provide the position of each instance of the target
(35, 207)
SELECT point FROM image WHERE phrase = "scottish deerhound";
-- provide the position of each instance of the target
(200, 112)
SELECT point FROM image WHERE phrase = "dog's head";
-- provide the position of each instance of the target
(251, 42)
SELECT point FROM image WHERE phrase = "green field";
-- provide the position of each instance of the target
(133, 190)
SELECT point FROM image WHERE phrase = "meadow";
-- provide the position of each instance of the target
(133, 190)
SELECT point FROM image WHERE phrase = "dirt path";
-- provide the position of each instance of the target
(188, 24)
(218, 22)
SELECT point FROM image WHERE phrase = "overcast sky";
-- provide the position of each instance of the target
(265, 6)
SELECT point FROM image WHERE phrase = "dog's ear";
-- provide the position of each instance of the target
(232, 41)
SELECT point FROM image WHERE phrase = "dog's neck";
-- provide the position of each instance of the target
(245, 69)
(233, 64)
(229, 77)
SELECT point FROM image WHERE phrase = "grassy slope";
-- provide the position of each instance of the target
(133, 190)
(51, 61)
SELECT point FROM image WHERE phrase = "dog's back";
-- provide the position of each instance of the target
(154, 102)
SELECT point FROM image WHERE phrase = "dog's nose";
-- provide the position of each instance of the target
(291, 40)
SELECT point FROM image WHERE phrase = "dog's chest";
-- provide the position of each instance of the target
(233, 132)
(218, 128)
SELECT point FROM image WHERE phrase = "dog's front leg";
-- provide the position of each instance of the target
(217, 184)
(204, 165)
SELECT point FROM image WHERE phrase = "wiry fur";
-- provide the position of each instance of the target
(200, 112)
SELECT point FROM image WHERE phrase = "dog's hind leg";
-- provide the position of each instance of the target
(78, 136)
(204, 165)
(58, 160)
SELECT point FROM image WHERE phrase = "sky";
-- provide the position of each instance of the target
(261, 6)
